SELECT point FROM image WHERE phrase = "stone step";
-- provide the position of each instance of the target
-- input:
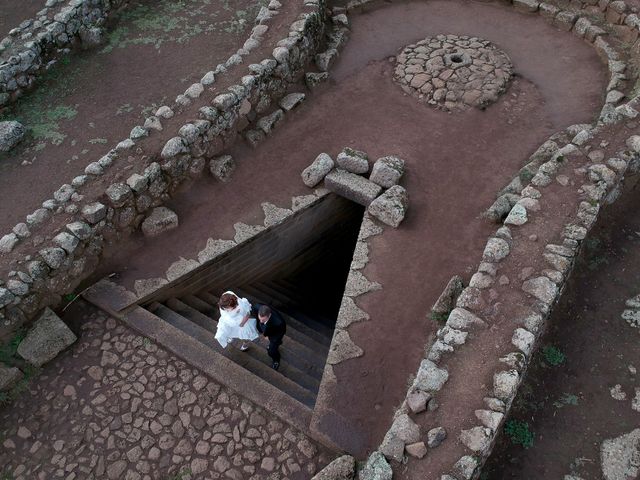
(208, 298)
(297, 363)
(261, 370)
(211, 310)
(315, 331)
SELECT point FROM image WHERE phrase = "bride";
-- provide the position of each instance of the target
(234, 321)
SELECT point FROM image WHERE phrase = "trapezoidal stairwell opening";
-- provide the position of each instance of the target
(298, 267)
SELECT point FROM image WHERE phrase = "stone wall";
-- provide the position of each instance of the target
(517, 200)
(40, 278)
(36, 44)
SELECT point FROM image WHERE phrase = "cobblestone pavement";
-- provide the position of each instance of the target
(117, 406)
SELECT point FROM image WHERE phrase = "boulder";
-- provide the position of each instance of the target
(436, 436)
(94, 212)
(352, 186)
(447, 299)
(314, 173)
(619, 456)
(11, 132)
(505, 384)
(7, 242)
(430, 378)
(291, 101)
(465, 467)
(542, 288)
(489, 418)
(392, 447)
(9, 376)
(517, 215)
(46, 339)
(353, 161)
(119, 194)
(417, 401)
(376, 468)
(313, 79)
(495, 250)
(405, 429)
(391, 206)
(417, 450)
(160, 220)
(91, 37)
(387, 171)
(222, 167)
(342, 468)
(269, 122)
(173, 147)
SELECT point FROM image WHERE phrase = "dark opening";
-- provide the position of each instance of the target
(456, 58)
(298, 267)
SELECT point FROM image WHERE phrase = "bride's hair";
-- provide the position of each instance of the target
(228, 300)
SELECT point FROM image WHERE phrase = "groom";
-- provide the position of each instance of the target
(270, 324)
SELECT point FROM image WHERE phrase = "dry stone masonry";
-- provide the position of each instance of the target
(347, 180)
(56, 270)
(454, 72)
(37, 43)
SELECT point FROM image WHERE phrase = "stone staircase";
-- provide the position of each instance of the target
(304, 349)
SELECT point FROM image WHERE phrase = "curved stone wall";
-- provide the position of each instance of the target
(92, 222)
(36, 44)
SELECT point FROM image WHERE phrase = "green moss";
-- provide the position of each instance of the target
(552, 356)
(439, 317)
(519, 433)
(173, 21)
(43, 110)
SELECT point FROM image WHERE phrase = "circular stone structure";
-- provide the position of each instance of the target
(454, 72)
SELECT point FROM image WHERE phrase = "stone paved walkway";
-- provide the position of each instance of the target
(116, 406)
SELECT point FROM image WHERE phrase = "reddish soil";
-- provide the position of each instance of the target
(14, 12)
(568, 407)
(456, 163)
(109, 92)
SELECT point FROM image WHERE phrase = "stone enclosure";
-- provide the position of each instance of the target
(201, 427)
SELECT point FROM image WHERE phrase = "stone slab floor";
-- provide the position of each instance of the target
(116, 406)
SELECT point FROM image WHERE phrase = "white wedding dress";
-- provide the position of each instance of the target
(229, 323)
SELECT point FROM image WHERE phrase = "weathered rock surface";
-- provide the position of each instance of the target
(436, 436)
(159, 221)
(430, 377)
(352, 186)
(542, 288)
(376, 468)
(315, 173)
(222, 167)
(9, 376)
(46, 339)
(619, 456)
(447, 299)
(495, 250)
(353, 161)
(342, 468)
(387, 171)
(391, 206)
(11, 132)
(477, 439)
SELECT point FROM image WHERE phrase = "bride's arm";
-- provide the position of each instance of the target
(246, 310)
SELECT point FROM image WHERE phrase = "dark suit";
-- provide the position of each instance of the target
(274, 329)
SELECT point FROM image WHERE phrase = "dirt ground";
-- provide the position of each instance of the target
(566, 401)
(14, 12)
(455, 165)
(91, 100)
